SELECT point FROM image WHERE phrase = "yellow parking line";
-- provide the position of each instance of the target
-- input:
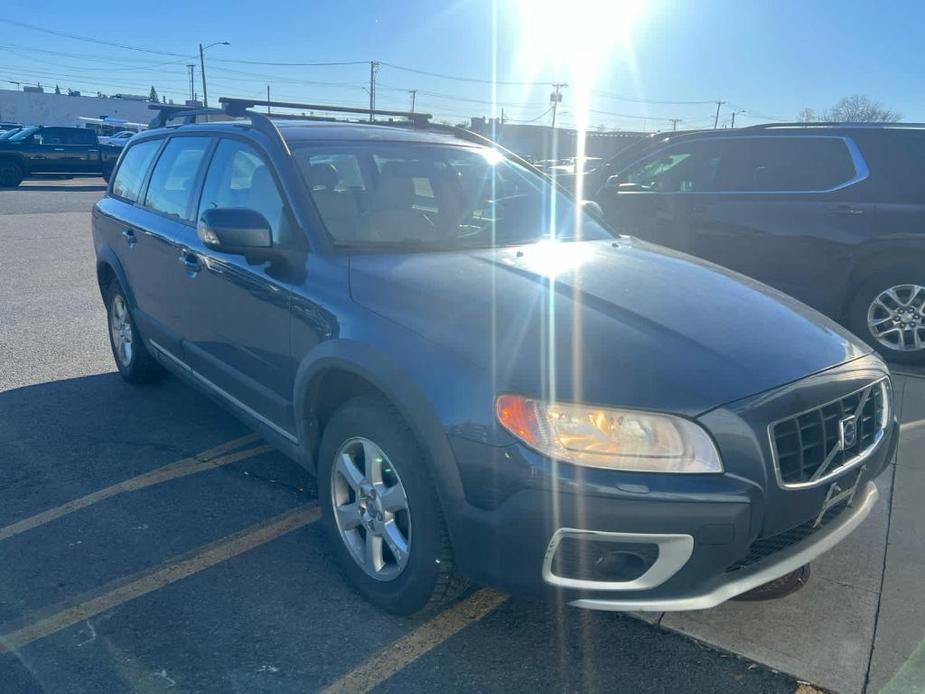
(207, 460)
(429, 635)
(169, 572)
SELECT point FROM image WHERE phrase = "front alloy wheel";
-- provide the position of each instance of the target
(371, 509)
(896, 318)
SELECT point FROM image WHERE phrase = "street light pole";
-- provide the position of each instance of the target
(202, 68)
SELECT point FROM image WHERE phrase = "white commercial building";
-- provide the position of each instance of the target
(36, 108)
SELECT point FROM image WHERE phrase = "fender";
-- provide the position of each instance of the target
(106, 256)
(401, 389)
(18, 157)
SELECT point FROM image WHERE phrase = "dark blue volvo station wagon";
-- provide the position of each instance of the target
(489, 385)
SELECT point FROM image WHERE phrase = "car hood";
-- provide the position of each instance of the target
(622, 323)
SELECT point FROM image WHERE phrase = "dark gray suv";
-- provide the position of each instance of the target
(488, 384)
(831, 214)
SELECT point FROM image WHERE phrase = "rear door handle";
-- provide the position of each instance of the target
(189, 260)
(58, 149)
(129, 236)
(847, 209)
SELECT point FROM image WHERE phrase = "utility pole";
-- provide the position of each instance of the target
(556, 99)
(373, 67)
(268, 99)
(202, 71)
(413, 93)
(674, 123)
(192, 78)
(734, 117)
(716, 119)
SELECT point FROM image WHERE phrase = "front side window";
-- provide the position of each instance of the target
(131, 173)
(171, 188)
(784, 164)
(685, 168)
(239, 177)
(428, 196)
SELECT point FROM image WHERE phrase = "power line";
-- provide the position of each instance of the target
(638, 100)
(276, 64)
(78, 37)
(473, 80)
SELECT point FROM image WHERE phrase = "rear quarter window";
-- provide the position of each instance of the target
(131, 172)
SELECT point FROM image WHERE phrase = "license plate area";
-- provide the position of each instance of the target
(840, 491)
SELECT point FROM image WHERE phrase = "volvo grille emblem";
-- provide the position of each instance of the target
(848, 431)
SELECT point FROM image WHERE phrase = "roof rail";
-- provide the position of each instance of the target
(832, 124)
(239, 106)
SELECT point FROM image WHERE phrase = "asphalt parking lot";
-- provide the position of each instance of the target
(149, 543)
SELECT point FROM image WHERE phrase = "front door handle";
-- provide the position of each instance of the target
(847, 209)
(58, 149)
(129, 236)
(189, 260)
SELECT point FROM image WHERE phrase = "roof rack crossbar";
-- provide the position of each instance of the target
(239, 106)
(831, 124)
(169, 112)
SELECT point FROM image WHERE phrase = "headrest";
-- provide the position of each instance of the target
(323, 176)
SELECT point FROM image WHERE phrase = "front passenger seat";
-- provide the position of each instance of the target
(392, 216)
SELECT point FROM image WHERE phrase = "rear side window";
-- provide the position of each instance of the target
(131, 174)
(171, 188)
(784, 164)
(81, 136)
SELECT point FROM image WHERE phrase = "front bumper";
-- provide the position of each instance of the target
(775, 566)
(703, 538)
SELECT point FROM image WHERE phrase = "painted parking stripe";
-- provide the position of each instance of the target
(406, 650)
(169, 572)
(207, 460)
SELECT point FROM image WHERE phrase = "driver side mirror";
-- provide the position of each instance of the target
(238, 230)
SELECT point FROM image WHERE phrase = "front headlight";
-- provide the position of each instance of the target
(610, 438)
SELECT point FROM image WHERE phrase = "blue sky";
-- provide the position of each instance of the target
(769, 59)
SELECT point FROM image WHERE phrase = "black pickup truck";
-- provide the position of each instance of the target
(54, 150)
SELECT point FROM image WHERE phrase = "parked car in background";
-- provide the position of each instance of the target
(54, 150)
(8, 125)
(833, 215)
(485, 392)
(118, 139)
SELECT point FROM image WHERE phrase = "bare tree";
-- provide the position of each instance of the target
(807, 115)
(859, 108)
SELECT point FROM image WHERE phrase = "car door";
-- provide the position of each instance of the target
(83, 151)
(646, 198)
(160, 230)
(48, 151)
(783, 210)
(236, 335)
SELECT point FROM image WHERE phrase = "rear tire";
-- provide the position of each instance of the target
(888, 312)
(134, 361)
(427, 576)
(11, 174)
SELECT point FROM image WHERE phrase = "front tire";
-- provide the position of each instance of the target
(381, 511)
(888, 311)
(134, 361)
(11, 174)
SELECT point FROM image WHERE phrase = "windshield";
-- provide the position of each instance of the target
(424, 195)
(24, 133)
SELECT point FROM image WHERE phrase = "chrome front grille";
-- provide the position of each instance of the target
(815, 445)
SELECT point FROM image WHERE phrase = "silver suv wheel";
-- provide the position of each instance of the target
(120, 327)
(371, 509)
(896, 318)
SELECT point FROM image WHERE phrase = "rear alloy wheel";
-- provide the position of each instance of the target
(135, 363)
(381, 511)
(11, 174)
(888, 311)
